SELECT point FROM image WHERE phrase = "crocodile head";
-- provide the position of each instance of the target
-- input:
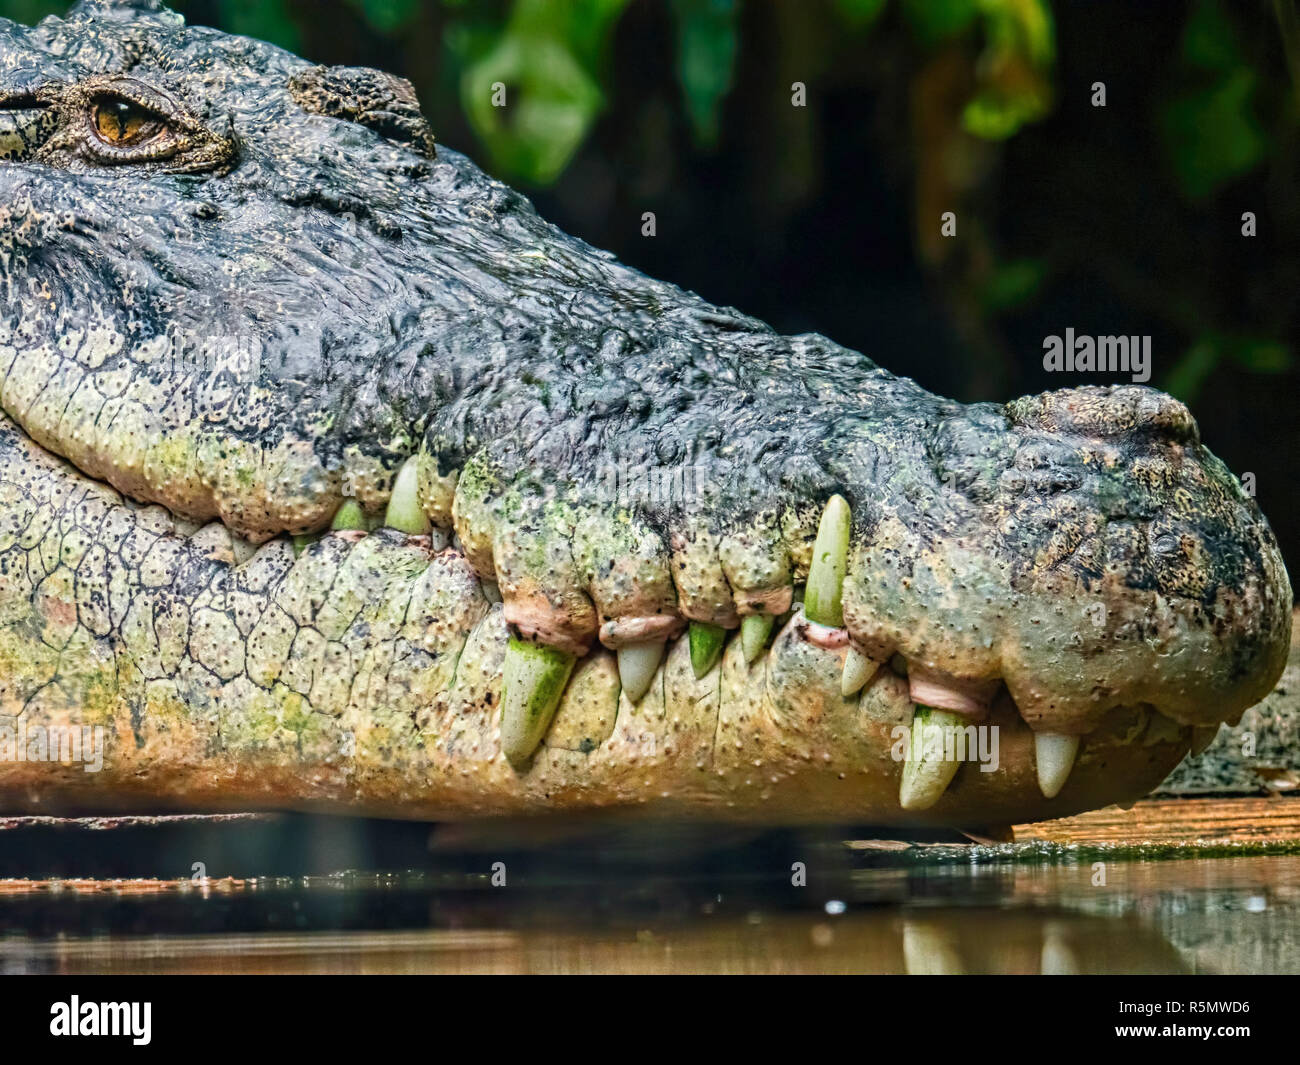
(331, 471)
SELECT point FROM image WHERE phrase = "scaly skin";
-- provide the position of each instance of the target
(247, 289)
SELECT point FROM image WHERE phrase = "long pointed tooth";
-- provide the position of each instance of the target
(858, 669)
(349, 516)
(637, 663)
(534, 680)
(706, 646)
(1202, 737)
(404, 512)
(1054, 754)
(822, 601)
(754, 631)
(927, 773)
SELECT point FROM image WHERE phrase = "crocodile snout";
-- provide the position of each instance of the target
(1091, 554)
(1186, 602)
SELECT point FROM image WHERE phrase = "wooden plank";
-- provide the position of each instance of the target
(1176, 821)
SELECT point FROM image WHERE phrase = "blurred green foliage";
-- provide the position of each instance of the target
(552, 57)
(706, 59)
(1210, 126)
(534, 93)
(1016, 68)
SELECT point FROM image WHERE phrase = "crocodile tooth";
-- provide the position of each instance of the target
(706, 646)
(1054, 754)
(927, 773)
(1202, 737)
(637, 663)
(404, 512)
(534, 677)
(822, 600)
(349, 516)
(754, 631)
(858, 669)
(303, 541)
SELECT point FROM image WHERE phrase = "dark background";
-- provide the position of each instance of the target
(1123, 219)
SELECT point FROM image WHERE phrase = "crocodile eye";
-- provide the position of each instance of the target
(121, 123)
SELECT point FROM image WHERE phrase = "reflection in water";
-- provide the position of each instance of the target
(790, 902)
(878, 942)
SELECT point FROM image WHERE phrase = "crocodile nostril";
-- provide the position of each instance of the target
(1105, 411)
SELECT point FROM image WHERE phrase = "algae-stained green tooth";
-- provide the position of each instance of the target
(533, 679)
(349, 517)
(637, 664)
(303, 541)
(858, 669)
(404, 512)
(928, 771)
(706, 646)
(822, 601)
(1054, 755)
(754, 631)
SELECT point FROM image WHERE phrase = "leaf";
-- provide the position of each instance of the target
(1259, 354)
(547, 58)
(1210, 39)
(1254, 353)
(1190, 373)
(995, 116)
(1023, 27)
(706, 59)
(934, 21)
(1014, 73)
(1212, 135)
(551, 103)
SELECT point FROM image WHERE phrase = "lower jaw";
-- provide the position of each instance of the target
(773, 741)
(719, 748)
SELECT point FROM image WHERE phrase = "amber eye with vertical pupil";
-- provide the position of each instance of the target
(123, 124)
